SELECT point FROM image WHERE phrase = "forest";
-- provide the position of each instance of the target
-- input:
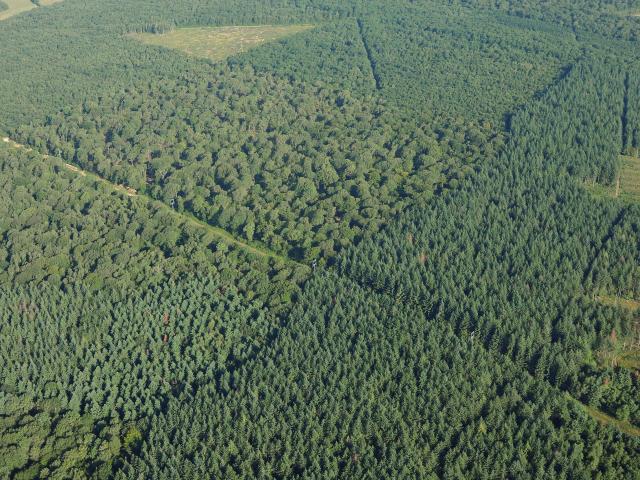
(374, 248)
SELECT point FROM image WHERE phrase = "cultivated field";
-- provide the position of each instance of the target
(20, 6)
(218, 43)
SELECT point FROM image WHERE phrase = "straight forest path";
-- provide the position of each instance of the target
(185, 217)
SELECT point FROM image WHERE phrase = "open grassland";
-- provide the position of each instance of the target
(16, 7)
(218, 43)
(20, 6)
(627, 186)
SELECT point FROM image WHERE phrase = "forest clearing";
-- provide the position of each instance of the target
(630, 178)
(218, 43)
(627, 185)
(630, 360)
(623, 353)
(15, 7)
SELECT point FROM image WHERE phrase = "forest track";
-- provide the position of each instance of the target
(372, 63)
(185, 217)
(623, 425)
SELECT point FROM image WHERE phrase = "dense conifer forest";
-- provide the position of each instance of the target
(401, 243)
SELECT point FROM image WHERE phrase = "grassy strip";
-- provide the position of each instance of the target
(623, 356)
(611, 300)
(623, 425)
(630, 360)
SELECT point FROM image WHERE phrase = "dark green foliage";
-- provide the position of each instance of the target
(616, 270)
(359, 385)
(508, 256)
(632, 113)
(579, 128)
(456, 330)
(107, 360)
(476, 67)
(614, 390)
(609, 18)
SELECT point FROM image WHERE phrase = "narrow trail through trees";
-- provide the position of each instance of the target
(625, 113)
(372, 62)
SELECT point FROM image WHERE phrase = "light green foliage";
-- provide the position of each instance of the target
(40, 438)
(10, 8)
(316, 170)
(132, 439)
(66, 229)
